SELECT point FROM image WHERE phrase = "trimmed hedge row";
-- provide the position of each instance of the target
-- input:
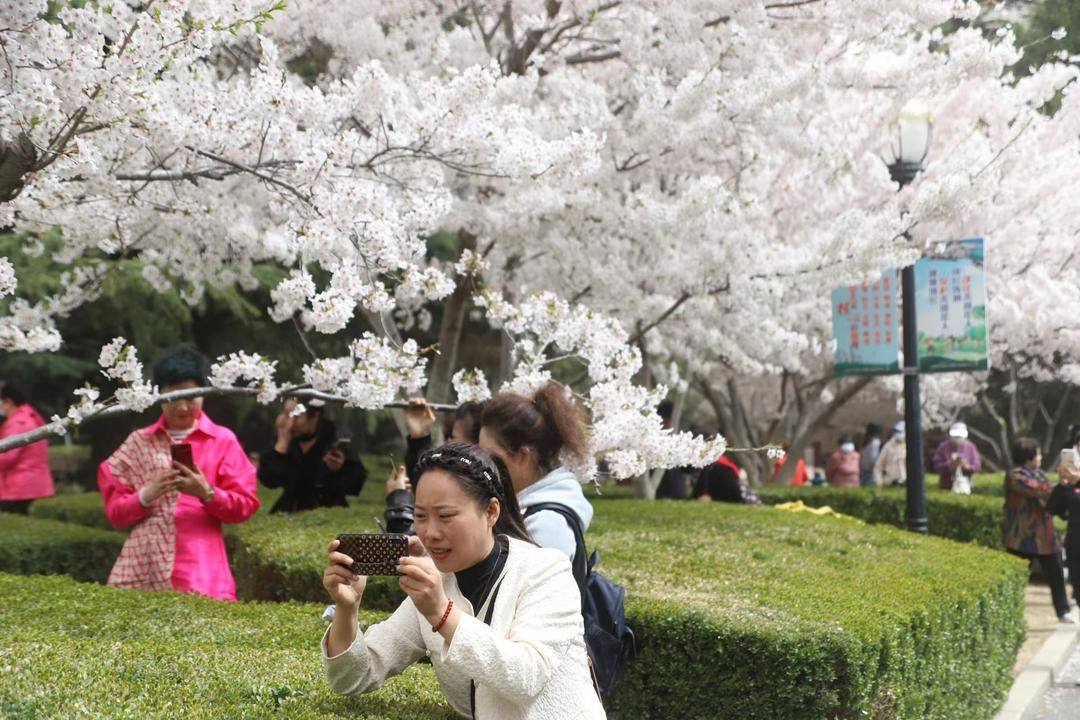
(35, 546)
(746, 612)
(71, 649)
(749, 612)
(964, 518)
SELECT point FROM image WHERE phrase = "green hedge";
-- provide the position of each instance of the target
(32, 545)
(70, 649)
(750, 612)
(965, 518)
(747, 612)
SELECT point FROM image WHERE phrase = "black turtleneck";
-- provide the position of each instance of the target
(476, 582)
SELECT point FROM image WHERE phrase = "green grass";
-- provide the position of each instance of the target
(76, 650)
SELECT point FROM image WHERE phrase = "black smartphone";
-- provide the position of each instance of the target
(343, 444)
(374, 554)
(181, 453)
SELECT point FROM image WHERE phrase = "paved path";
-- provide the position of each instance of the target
(1062, 700)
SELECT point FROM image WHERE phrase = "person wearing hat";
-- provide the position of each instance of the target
(309, 461)
(955, 455)
(890, 468)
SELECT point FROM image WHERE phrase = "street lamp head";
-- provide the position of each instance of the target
(910, 142)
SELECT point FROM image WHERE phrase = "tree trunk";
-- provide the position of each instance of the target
(646, 484)
(453, 321)
(17, 158)
(809, 423)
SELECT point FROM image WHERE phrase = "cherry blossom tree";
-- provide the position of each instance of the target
(630, 183)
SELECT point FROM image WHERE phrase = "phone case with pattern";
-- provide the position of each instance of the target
(374, 554)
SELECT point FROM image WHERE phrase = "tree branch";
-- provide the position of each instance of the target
(41, 433)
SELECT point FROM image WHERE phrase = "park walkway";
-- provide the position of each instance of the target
(1047, 667)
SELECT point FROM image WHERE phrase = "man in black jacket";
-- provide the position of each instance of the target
(310, 462)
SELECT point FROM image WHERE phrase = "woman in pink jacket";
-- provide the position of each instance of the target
(177, 511)
(842, 467)
(24, 472)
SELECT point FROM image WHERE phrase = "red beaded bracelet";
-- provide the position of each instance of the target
(449, 607)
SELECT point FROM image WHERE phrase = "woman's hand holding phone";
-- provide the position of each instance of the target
(163, 482)
(346, 589)
(192, 482)
(422, 582)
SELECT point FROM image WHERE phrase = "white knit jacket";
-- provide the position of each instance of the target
(530, 664)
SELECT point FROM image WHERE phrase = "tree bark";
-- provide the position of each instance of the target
(450, 330)
(804, 427)
(17, 158)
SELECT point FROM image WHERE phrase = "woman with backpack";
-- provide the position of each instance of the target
(498, 616)
(531, 436)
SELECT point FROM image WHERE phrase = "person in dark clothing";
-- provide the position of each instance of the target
(463, 425)
(309, 462)
(722, 481)
(674, 484)
(1065, 502)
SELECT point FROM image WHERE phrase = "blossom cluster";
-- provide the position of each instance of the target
(252, 369)
(119, 361)
(374, 374)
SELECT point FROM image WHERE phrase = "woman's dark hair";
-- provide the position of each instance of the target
(873, 430)
(180, 365)
(468, 414)
(16, 392)
(1074, 435)
(1024, 451)
(846, 438)
(550, 423)
(483, 477)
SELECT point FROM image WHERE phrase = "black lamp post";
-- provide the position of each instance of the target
(908, 152)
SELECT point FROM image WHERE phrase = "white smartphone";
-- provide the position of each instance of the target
(1068, 457)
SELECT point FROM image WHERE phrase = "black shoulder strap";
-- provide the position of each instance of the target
(580, 563)
(487, 621)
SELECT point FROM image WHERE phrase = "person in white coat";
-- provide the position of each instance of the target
(890, 468)
(531, 436)
(499, 617)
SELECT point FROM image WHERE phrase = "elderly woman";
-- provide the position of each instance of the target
(1029, 526)
(842, 467)
(176, 510)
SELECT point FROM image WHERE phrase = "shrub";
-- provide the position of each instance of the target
(31, 545)
(85, 508)
(749, 612)
(76, 650)
(965, 518)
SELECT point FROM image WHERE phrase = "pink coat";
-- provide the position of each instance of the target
(24, 472)
(200, 563)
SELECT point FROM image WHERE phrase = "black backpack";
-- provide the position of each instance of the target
(609, 641)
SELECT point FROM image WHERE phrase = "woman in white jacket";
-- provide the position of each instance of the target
(499, 617)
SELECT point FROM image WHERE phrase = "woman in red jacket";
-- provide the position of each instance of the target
(842, 467)
(24, 472)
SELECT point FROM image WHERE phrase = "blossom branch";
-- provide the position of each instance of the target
(60, 427)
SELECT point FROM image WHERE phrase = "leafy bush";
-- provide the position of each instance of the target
(31, 545)
(965, 518)
(751, 612)
(85, 508)
(72, 649)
